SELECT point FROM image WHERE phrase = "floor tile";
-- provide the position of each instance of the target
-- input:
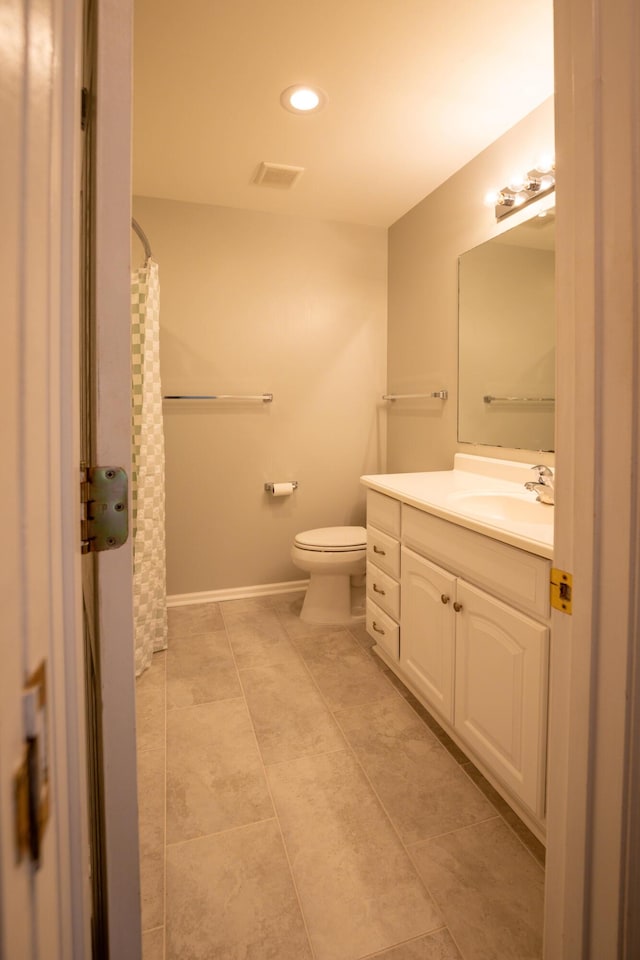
(257, 637)
(435, 946)
(489, 889)
(254, 605)
(359, 631)
(289, 715)
(358, 889)
(531, 842)
(200, 669)
(342, 670)
(153, 944)
(152, 890)
(215, 778)
(231, 897)
(450, 745)
(423, 790)
(151, 770)
(193, 619)
(150, 705)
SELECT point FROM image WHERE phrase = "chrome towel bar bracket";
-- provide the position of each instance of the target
(436, 395)
(489, 399)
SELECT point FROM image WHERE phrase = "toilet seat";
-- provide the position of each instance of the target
(332, 539)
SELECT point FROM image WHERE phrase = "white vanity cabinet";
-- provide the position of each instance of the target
(473, 642)
(482, 666)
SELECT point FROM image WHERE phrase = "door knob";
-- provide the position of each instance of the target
(444, 598)
(457, 607)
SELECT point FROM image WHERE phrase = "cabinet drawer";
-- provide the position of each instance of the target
(383, 629)
(383, 590)
(383, 512)
(384, 551)
(520, 578)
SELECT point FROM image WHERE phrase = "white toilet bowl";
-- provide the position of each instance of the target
(331, 556)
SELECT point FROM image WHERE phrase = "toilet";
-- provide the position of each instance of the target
(332, 556)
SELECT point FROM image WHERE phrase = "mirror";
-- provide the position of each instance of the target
(506, 346)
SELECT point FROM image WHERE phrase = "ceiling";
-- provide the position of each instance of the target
(416, 89)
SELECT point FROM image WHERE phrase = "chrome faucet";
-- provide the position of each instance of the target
(543, 486)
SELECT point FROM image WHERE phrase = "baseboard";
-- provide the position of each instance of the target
(236, 593)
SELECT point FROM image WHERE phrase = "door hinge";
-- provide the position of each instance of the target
(561, 590)
(104, 498)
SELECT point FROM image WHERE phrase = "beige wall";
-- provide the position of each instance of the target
(252, 303)
(424, 246)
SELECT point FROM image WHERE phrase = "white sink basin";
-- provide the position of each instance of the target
(500, 506)
(483, 494)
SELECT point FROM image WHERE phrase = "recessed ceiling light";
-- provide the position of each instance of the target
(302, 99)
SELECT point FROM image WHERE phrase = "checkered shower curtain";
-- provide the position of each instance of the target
(147, 500)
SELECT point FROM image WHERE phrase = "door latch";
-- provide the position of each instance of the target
(561, 590)
(104, 496)
(31, 779)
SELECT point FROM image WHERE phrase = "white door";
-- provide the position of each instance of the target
(43, 881)
(427, 642)
(112, 447)
(501, 691)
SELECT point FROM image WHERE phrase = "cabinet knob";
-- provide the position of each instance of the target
(378, 550)
(377, 589)
(457, 607)
(377, 628)
(444, 598)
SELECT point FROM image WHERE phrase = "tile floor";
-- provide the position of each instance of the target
(298, 803)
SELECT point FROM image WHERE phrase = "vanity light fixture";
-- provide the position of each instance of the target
(300, 98)
(524, 189)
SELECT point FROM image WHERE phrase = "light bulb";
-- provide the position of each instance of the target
(518, 199)
(517, 182)
(546, 182)
(492, 198)
(546, 163)
(302, 99)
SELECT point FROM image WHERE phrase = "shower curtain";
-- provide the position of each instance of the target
(147, 480)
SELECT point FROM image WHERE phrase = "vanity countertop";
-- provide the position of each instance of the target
(480, 493)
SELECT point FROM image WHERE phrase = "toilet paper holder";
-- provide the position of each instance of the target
(269, 486)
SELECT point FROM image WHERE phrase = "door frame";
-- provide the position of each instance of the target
(593, 829)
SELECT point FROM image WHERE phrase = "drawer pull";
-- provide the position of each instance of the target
(377, 628)
(444, 598)
(457, 607)
(379, 550)
(377, 589)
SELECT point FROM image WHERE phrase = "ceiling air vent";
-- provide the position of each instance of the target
(277, 175)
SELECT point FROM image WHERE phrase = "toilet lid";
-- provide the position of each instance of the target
(332, 538)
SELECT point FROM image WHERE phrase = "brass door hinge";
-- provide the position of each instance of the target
(561, 590)
(104, 498)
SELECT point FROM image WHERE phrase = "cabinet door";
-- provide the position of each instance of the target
(501, 691)
(427, 647)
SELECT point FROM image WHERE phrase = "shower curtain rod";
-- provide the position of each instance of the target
(143, 238)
